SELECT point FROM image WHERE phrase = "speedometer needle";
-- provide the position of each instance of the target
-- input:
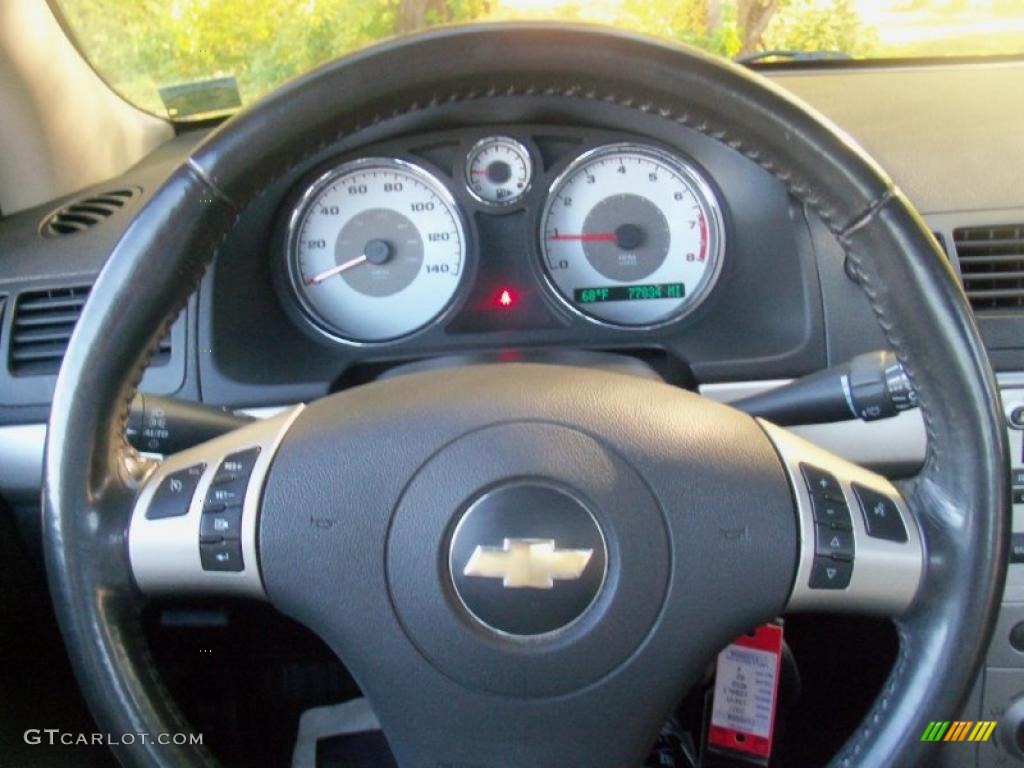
(588, 237)
(317, 279)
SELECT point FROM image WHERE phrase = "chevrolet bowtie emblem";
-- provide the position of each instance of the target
(533, 563)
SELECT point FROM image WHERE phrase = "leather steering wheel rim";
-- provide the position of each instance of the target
(92, 475)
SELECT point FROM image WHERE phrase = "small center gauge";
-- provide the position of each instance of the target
(498, 170)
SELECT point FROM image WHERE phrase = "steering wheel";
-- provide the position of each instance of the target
(528, 564)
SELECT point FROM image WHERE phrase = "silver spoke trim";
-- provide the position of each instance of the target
(886, 574)
(164, 552)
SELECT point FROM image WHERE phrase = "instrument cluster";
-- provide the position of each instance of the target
(626, 234)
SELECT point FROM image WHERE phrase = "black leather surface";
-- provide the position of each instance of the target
(961, 495)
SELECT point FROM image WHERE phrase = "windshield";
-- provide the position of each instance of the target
(187, 58)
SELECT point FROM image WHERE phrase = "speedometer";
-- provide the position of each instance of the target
(631, 236)
(376, 250)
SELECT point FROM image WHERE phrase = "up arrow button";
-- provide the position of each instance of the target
(833, 542)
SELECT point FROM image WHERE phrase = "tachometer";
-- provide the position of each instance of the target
(631, 236)
(376, 250)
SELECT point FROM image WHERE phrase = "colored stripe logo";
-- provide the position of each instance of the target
(959, 730)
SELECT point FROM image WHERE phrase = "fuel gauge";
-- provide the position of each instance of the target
(498, 170)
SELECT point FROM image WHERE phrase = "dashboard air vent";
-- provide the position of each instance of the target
(86, 212)
(41, 327)
(992, 266)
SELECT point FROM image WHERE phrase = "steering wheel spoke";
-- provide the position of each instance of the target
(193, 526)
(860, 546)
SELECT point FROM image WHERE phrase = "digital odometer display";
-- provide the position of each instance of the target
(629, 293)
(631, 235)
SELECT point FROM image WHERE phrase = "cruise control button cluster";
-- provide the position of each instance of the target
(174, 494)
(882, 518)
(833, 530)
(220, 527)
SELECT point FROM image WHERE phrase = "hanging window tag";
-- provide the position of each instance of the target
(746, 689)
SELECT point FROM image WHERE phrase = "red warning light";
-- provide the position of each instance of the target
(505, 298)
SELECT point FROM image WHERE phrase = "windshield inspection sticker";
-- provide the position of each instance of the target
(746, 688)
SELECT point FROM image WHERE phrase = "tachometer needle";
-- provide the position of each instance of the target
(317, 279)
(588, 237)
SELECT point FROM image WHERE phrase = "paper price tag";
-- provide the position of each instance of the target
(746, 689)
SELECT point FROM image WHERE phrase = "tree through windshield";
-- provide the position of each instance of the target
(186, 57)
